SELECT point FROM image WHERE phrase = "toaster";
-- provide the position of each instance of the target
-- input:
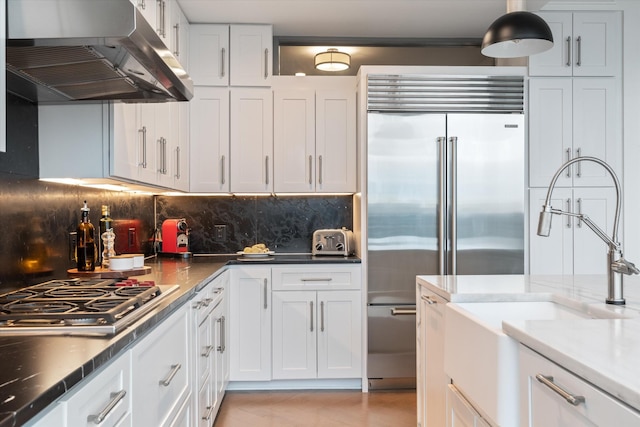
(333, 242)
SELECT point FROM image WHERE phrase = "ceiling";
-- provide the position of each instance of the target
(357, 18)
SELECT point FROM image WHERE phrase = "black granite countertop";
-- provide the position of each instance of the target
(37, 370)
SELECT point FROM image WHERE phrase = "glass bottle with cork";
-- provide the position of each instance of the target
(86, 248)
(106, 223)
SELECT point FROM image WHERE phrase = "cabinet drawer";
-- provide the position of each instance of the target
(160, 380)
(105, 399)
(543, 407)
(307, 277)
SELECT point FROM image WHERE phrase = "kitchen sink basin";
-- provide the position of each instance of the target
(481, 359)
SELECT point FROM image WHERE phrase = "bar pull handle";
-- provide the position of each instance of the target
(311, 315)
(568, 210)
(222, 162)
(266, 63)
(579, 51)
(176, 51)
(579, 208)
(568, 158)
(174, 371)
(223, 337)
(454, 204)
(223, 54)
(177, 163)
(321, 316)
(316, 279)
(310, 169)
(266, 170)
(102, 415)
(142, 4)
(579, 165)
(571, 398)
(143, 132)
(207, 351)
(441, 206)
(207, 415)
(320, 170)
(399, 311)
(569, 51)
(265, 294)
(428, 300)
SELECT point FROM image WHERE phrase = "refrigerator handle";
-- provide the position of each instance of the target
(442, 208)
(454, 205)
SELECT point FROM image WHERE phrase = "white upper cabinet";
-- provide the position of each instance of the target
(236, 55)
(179, 27)
(585, 44)
(251, 55)
(209, 54)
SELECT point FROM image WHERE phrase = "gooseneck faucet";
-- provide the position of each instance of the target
(617, 265)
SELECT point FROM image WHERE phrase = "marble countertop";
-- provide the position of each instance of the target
(37, 370)
(605, 352)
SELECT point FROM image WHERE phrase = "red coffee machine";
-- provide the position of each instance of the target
(175, 237)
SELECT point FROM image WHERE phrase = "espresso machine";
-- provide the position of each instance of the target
(175, 237)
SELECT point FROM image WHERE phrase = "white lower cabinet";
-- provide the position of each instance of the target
(545, 389)
(250, 324)
(161, 379)
(460, 413)
(431, 381)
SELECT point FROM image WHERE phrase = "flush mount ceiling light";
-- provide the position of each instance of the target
(517, 34)
(332, 60)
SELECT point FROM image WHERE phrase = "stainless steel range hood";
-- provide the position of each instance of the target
(78, 50)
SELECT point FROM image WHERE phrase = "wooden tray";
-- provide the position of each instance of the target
(100, 273)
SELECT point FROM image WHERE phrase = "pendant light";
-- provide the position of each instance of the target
(332, 60)
(517, 34)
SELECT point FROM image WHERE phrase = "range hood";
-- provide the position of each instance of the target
(86, 50)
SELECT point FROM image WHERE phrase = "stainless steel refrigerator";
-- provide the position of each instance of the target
(445, 195)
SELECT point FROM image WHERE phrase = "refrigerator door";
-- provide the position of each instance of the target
(402, 203)
(486, 193)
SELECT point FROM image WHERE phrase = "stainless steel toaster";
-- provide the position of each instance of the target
(333, 242)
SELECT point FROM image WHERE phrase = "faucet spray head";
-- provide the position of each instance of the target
(544, 221)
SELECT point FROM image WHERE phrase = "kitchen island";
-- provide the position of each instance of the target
(37, 370)
(600, 351)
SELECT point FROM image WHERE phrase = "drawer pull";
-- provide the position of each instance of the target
(428, 299)
(115, 399)
(317, 279)
(571, 398)
(321, 316)
(207, 415)
(207, 351)
(311, 314)
(174, 371)
(397, 311)
(223, 337)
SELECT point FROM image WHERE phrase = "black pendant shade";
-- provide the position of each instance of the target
(517, 34)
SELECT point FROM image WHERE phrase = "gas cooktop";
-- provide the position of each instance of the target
(78, 306)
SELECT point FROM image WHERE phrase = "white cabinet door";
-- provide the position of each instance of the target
(336, 141)
(339, 334)
(209, 140)
(251, 55)
(294, 334)
(209, 54)
(179, 27)
(586, 44)
(542, 406)
(431, 378)
(294, 140)
(161, 382)
(250, 324)
(251, 141)
(569, 118)
(127, 140)
(460, 413)
(53, 416)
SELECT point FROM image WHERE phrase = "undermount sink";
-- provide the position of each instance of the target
(481, 359)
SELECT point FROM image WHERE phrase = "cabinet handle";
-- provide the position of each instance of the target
(223, 338)
(316, 279)
(142, 4)
(397, 311)
(207, 415)
(569, 51)
(207, 351)
(266, 170)
(174, 371)
(143, 131)
(207, 301)
(579, 165)
(197, 305)
(115, 399)
(569, 210)
(222, 162)
(164, 18)
(579, 208)
(162, 146)
(176, 51)
(311, 315)
(310, 170)
(320, 170)
(266, 63)
(571, 398)
(159, 17)
(321, 316)
(265, 294)
(428, 299)
(568, 158)
(177, 163)
(223, 55)
(579, 51)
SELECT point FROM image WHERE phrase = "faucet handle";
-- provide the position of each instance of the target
(625, 267)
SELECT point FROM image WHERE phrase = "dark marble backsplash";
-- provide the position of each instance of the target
(285, 224)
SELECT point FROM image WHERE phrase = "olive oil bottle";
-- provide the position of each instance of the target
(86, 246)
